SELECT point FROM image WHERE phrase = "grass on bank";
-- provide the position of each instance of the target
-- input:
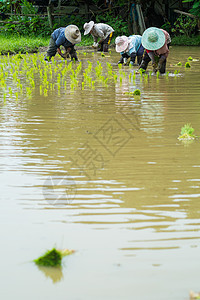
(15, 44)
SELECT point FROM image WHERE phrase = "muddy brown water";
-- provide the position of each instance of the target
(96, 170)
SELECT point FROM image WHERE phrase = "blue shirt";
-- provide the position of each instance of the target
(135, 42)
(59, 37)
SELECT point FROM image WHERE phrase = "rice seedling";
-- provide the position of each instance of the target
(137, 92)
(10, 91)
(179, 63)
(176, 72)
(146, 76)
(141, 71)
(167, 74)
(115, 77)
(4, 98)
(52, 258)
(157, 74)
(45, 92)
(28, 92)
(187, 133)
(190, 58)
(187, 65)
(16, 96)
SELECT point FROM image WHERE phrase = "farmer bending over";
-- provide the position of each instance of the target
(100, 31)
(66, 37)
(129, 47)
(156, 42)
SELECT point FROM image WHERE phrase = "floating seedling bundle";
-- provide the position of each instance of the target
(187, 133)
(52, 258)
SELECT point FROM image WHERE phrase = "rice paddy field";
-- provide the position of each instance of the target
(91, 161)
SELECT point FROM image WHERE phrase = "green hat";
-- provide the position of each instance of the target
(153, 38)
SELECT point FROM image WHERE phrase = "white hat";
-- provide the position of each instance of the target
(87, 27)
(121, 43)
(73, 34)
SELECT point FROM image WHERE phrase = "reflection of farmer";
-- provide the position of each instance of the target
(102, 31)
(66, 37)
(129, 47)
(156, 42)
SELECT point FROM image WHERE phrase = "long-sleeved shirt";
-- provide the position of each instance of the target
(102, 31)
(59, 37)
(134, 43)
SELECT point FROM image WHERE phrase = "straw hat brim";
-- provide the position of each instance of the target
(147, 44)
(121, 48)
(91, 24)
(68, 31)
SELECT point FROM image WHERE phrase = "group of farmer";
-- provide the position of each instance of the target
(152, 46)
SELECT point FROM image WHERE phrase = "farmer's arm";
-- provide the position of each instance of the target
(60, 41)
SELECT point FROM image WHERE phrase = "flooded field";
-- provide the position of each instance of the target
(87, 166)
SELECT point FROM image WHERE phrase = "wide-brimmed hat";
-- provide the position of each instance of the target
(153, 38)
(73, 34)
(87, 27)
(121, 43)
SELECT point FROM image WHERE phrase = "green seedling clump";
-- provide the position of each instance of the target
(52, 258)
(179, 63)
(187, 133)
(137, 92)
(190, 58)
(187, 65)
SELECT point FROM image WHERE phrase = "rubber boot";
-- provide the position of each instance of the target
(121, 61)
(105, 47)
(139, 60)
(162, 67)
(143, 65)
(101, 47)
(73, 55)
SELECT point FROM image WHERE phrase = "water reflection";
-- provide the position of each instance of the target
(55, 274)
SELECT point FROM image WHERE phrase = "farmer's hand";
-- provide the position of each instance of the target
(154, 67)
(95, 45)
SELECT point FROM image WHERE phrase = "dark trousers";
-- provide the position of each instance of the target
(146, 59)
(105, 44)
(52, 50)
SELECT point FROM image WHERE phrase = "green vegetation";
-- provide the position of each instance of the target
(195, 10)
(187, 64)
(183, 40)
(184, 25)
(187, 132)
(15, 44)
(52, 258)
(137, 92)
